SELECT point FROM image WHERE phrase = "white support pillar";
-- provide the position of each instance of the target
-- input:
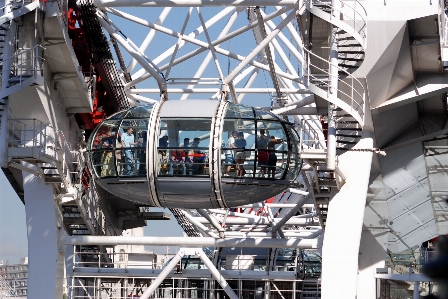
(69, 260)
(372, 255)
(219, 278)
(416, 290)
(340, 250)
(163, 274)
(43, 251)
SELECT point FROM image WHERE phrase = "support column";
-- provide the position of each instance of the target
(372, 255)
(124, 287)
(43, 253)
(69, 255)
(340, 250)
(416, 290)
(333, 90)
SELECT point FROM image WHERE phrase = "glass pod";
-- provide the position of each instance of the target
(194, 154)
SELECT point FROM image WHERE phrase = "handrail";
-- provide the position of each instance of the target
(312, 140)
(27, 66)
(20, 2)
(359, 107)
(362, 17)
(33, 133)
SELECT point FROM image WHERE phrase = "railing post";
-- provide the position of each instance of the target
(352, 92)
(35, 60)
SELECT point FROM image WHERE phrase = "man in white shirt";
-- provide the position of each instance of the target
(229, 153)
(129, 141)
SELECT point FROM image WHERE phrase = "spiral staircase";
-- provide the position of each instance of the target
(347, 22)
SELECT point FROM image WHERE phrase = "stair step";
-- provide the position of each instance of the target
(342, 115)
(349, 136)
(351, 52)
(322, 195)
(346, 38)
(346, 142)
(349, 45)
(351, 59)
(347, 122)
(349, 129)
(347, 66)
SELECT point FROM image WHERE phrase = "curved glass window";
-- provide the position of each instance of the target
(254, 144)
(183, 148)
(117, 147)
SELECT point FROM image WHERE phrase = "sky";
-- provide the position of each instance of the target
(13, 239)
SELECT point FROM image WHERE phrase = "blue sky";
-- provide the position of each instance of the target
(13, 240)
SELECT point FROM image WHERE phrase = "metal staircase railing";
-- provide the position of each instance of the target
(25, 64)
(351, 19)
(348, 97)
(58, 163)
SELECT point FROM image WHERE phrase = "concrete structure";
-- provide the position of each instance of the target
(361, 81)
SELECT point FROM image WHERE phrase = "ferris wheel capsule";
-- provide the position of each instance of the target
(194, 154)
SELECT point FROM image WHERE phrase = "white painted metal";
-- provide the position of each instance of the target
(263, 44)
(194, 242)
(216, 274)
(215, 90)
(341, 254)
(199, 225)
(174, 261)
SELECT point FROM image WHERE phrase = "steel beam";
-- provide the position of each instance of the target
(176, 259)
(195, 242)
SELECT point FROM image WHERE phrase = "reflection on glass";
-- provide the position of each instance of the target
(261, 114)
(239, 111)
(263, 153)
(183, 147)
(140, 111)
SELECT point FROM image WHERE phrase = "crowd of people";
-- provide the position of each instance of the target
(129, 160)
(186, 159)
(236, 154)
(187, 156)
